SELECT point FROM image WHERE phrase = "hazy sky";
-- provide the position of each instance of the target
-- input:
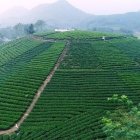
(91, 6)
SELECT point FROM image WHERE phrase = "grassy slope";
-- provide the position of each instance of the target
(22, 75)
(74, 102)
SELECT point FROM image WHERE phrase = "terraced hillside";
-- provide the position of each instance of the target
(73, 103)
(24, 66)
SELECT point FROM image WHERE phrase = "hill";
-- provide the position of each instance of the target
(62, 14)
(74, 101)
(128, 22)
(51, 13)
(13, 16)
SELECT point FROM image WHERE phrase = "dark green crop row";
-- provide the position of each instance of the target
(77, 35)
(131, 47)
(97, 55)
(72, 94)
(73, 103)
(18, 47)
(21, 78)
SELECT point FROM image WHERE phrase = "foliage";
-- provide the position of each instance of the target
(40, 25)
(97, 55)
(30, 29)
(122, 123)
(73, 103)
(21, 30)
(24, 64)
(78, 35)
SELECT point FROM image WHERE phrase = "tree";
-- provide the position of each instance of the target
(29, 29)
(40, 25)
(19, 29)
(123, 123)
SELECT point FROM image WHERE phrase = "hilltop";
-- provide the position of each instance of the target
(55, 85)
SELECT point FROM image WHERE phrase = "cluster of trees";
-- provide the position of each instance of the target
(122, 123)
(21, 30)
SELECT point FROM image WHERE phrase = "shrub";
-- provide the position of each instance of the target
(123, 123)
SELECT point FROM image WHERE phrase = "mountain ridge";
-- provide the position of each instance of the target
(61, 9)
(61, 14)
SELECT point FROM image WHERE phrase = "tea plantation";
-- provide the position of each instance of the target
(73, 103)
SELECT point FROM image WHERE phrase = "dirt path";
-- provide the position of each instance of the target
(37, 95)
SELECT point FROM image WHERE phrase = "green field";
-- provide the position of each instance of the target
(78, 35)
(73, 103)
(21, 75)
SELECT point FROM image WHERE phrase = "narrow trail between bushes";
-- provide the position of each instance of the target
(38, 93)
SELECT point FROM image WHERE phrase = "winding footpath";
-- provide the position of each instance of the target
(38, 94)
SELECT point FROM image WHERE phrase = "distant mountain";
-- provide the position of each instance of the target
(13, 16)
(60, 13)
(63, 14)
(128, 21)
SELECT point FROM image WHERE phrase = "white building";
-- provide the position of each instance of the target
(63, 30)
(104, 38)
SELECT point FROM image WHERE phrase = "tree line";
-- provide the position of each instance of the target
(20, 30)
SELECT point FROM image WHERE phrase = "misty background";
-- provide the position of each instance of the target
(20, 18)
